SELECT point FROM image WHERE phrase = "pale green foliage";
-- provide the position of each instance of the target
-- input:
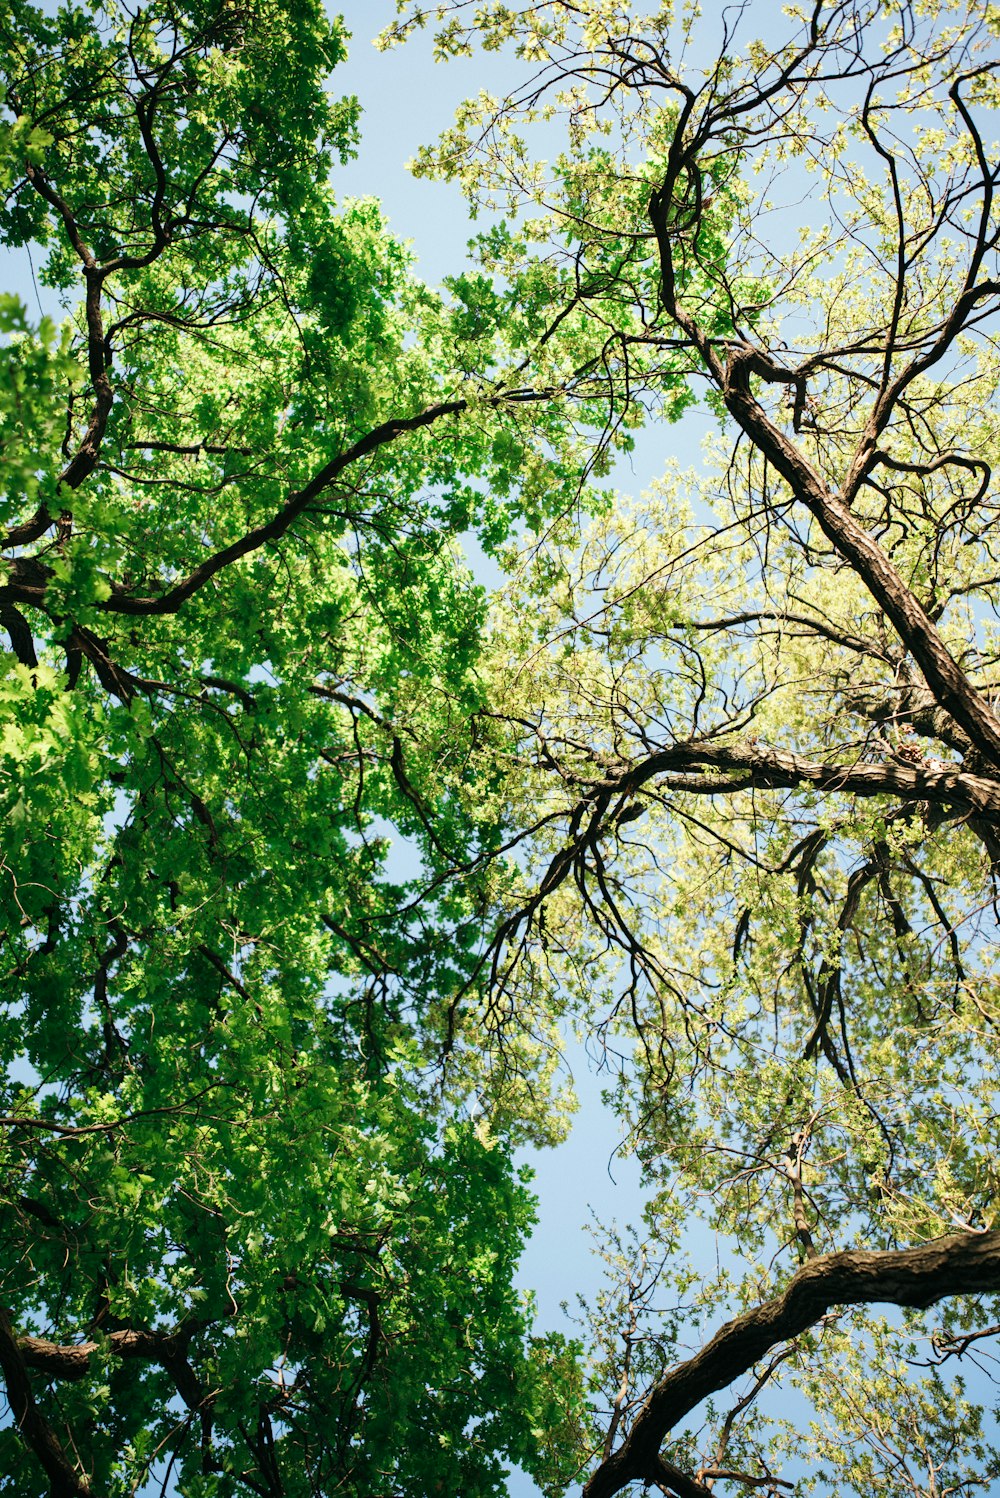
(737, 901)
(810, 974)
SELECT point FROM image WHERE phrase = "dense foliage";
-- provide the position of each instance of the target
(716, 777)
(254, 1244)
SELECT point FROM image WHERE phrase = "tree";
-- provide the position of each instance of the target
(754, 713)
(248, 1242)
(718, 778)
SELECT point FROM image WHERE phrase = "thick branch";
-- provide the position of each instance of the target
(71, 1362)
(776, 768)
(124, 603)
(946, 679)
(832, 511)
(963, 1264)
(35, 1430)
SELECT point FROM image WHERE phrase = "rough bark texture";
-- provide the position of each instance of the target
(938, 782)
(69, 1362)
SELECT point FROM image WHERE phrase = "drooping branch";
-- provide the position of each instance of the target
(962, 1264)
(606, 803)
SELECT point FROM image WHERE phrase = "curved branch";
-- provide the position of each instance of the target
(730, 367)
(30, 578)
(977, 466)
(835, 635)
(71, 1362)
(122, 602)
(961, 1264)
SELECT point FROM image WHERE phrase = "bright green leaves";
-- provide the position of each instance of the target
(228, 999)
(19, 142)
(37, 370)
(339, 1264)
(51, 802)
(179, 110)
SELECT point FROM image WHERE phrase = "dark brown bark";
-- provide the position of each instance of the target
(948, 682)
(70, 1362)
(84, 460)
(20, 1356)
(65, 1481)
(730, 367)
(29, 578)
(962, 1264)
(122, 602)
(765, 767)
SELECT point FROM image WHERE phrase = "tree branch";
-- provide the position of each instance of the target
(962, 1264)
(71, 1362)
(36, 1431)
(777, 768)
(122, 602)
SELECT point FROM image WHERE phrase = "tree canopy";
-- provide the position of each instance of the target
(713, 779)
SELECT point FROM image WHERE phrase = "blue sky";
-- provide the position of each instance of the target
(407, 101)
